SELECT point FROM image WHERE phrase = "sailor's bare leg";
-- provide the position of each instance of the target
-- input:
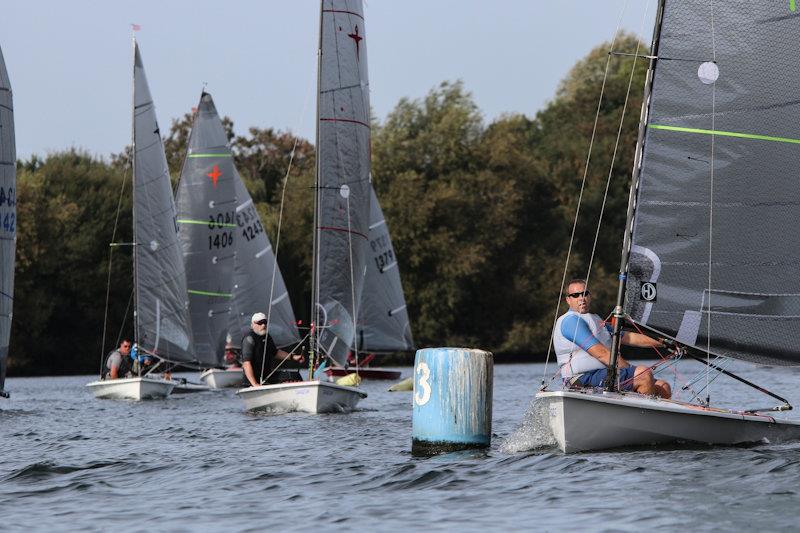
(664, 390)
(643, 381)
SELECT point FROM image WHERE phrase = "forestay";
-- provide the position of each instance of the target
(719, 181)
(206, 204)
(384, 325)
(8, 214)
(343, 174)
(255, 264)
(162, 315)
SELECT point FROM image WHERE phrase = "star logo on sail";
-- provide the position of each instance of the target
(214, 175)
(357, 38)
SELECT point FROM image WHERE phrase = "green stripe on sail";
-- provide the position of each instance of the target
(207, 293)
(204, 222)
(721, 133)
(209, 155)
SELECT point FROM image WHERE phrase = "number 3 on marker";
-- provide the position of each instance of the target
(425, 373)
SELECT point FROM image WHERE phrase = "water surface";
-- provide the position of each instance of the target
(199, 462)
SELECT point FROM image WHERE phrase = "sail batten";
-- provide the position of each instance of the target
(162, 316)
(712, 263)
(8, 214)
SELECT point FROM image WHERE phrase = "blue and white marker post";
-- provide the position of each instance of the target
(452, 400)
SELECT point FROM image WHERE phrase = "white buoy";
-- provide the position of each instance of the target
(452, 399)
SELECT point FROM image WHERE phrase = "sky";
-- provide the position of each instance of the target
(70, 61)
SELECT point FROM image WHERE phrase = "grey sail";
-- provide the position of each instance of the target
(343, 174)
(253, 289)
(8, 214)
(715, 260)
(162, 314)
(206, 204)
(383, 323)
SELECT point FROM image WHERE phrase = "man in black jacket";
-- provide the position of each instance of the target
(258, 345)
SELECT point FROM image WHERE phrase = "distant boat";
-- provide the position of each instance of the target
(228, 257)
(384, 325)
(709, 259)
(8, 217)
(161, 317)
(341, 212)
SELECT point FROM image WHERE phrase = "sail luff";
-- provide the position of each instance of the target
(314, 309)
(8, 215)
(631, 210)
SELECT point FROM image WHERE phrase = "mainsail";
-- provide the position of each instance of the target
(162, 314)
(206, 204)
(383, 324)
(8, 214)
(715, 258)
(343, 174)
(252, 283)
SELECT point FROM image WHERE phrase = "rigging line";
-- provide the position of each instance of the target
(614, 154)
(580, 195)
(352, 282)
(124, 318)
(110, 257)
(711, 210)
(280, 221)
(291, 352)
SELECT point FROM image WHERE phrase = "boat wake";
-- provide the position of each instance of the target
(533, 433)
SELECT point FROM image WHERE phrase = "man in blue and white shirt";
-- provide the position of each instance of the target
(583, 347)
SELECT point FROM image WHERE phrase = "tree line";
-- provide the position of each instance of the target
(480, 216)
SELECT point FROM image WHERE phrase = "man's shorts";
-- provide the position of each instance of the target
(597, 378)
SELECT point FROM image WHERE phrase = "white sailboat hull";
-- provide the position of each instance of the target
(583, 421)
(222, 379)
(138, 388)
(302, 396)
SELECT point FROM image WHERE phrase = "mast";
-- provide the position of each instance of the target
(619, 314)
(313, 311)
(133, 195)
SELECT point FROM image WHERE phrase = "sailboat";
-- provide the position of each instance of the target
(341, 213)
(8, 216)
(708, 260)
(161, 314)
(384, 325)
(228, 256)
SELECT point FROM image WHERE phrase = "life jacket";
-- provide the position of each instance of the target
(572, 358)
(125, 365)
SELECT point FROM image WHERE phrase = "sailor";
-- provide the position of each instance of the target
(118, 362)
(255, 346)
(583, 347)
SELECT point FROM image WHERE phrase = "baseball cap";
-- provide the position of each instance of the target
(258, 317)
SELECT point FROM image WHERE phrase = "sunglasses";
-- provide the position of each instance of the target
(579, 294)
(262, 322)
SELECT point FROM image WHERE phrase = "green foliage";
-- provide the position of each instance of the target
(67, 207)
(480, 216)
